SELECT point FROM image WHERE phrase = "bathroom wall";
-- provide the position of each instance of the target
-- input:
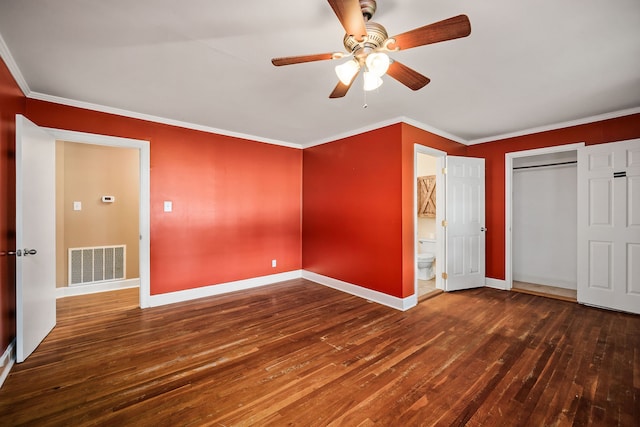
(85, 173)
(426, 166)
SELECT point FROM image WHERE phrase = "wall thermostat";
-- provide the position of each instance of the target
(108, 199)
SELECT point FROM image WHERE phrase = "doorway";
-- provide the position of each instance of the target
(144, 197)
(97, 218)
(428, 213)
(541, 212)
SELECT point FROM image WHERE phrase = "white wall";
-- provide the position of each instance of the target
(544, 225)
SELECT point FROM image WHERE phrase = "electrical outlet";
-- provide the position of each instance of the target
(273, 263)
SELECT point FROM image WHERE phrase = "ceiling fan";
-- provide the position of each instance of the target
(367, 45)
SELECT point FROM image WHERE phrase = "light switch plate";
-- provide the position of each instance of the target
(168, 206)
(77, 206)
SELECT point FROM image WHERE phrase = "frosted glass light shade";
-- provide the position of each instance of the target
(347, 71)
(378, 63)
(371, 81)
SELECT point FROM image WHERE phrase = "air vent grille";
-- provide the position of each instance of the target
(97, 264)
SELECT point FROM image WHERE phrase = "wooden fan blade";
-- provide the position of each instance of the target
(341, 89)
(350, 16)
(407, 76)
(452, 28)
(288, 60)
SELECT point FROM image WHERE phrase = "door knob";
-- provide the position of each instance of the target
(483, 229)
(29, 252)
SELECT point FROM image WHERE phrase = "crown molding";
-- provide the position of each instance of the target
(556, 126)
(6, 56)
(384, 123)
(155, 119)
(434, 130)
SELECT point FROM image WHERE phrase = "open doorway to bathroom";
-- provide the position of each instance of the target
(429, 210)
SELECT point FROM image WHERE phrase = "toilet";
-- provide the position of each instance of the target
(426, 259)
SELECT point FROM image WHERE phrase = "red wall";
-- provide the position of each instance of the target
(236, 203)
(612, 130)
(352, 210)
(358, 207)
(12, 102)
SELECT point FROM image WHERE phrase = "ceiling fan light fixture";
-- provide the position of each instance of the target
(371, 81)
(347, 71)
(378, 63)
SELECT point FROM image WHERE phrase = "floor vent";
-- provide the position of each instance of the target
(96, 264)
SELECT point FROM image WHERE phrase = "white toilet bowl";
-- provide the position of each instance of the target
(426, 259)
(425, 266)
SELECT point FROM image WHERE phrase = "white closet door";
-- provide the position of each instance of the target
(609, 225)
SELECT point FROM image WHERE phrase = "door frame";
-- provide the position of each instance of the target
(440, 212)
(508, 201)
(145, 193)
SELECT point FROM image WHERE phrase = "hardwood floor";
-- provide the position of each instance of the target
(298, 353)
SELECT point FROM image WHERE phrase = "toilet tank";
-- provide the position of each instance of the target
(427, 245)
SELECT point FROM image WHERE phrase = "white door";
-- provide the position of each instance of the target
(465, 223)
(609, 225)
(35, 236)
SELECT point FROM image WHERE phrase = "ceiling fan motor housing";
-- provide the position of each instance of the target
(376, 35)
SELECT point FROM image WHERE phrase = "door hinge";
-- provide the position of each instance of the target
(444, 171)
(445, 276)
(445, 223)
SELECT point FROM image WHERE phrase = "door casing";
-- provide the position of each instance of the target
(509, 157)
(145, 195)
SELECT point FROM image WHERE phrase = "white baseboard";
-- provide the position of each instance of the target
(402, 304)
(7, 361)
(495, 283)
(70, 291)
(222, 288)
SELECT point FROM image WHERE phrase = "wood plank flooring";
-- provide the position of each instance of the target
(298, 353)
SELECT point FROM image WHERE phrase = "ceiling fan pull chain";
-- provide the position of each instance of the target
(364, 96)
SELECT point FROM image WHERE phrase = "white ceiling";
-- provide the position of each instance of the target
(527, 64)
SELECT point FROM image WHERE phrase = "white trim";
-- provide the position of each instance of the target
(155, 119)
(435, 131)
(144, 251)
(222, 288)
(382, 124)
(94, 288)
(7, 361)
(5, 54)
(555, 126)
(402, 304)
(508, 200)
(495, 284)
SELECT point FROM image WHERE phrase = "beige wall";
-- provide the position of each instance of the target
(426, 165)
(85, 173)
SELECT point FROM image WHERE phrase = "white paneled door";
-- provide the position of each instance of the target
(465, 228)
(609, 225)
(35, 236)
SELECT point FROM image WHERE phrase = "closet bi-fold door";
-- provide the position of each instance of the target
(609, 225)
